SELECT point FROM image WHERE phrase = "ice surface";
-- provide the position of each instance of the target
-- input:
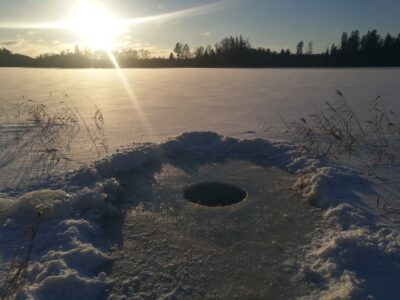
(71, 246)
(227, 101)
(355, 254)
(249, 250)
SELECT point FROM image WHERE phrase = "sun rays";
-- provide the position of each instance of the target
(96, 25)
(130, 92)
(103, 15)
(99, 30)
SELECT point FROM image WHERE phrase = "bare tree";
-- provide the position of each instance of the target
(186, 54)
(178, 50)
(310, 48)
(299, 48)
(199, 51)
(144, 54)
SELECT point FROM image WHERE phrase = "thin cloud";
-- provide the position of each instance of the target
(190, 12)
(11, 42)
(184, 13)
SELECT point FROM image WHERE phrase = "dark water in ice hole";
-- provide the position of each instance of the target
(214, 194)
(172, 248)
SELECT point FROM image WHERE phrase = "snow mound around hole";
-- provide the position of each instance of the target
(356, 254)
(70, 250)
(67, 257)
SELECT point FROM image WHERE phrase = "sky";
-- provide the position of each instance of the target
(274, 24)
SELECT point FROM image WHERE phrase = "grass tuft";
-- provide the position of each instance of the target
(336, 128)
(45, 135)
(18, 270)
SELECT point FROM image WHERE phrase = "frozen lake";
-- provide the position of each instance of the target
(152, 104)
(228, 101)
(126, 214)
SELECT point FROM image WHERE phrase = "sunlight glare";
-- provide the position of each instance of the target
(98, 28)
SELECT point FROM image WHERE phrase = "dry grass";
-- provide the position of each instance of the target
(337, 129)
(18, 270)
(44, 138)
(45, 135)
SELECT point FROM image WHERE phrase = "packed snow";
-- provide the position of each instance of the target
(70, 251)
(353, 254)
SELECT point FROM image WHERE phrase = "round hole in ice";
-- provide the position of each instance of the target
(214, 194)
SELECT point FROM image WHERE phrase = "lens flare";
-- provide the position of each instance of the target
(97, 27)
(93, 11)
(99, 30)
(128, 89)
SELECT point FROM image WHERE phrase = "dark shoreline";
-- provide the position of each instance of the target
(227, 68)
(355, 51)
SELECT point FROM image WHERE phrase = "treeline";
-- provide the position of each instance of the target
(354, 50)
(9, 59)
(369, 50)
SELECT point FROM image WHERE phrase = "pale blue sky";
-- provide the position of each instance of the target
(269, 23)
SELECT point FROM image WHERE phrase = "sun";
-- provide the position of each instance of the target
(98, 28)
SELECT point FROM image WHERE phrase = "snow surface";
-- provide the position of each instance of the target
(354, 256)
(233, 102)
(249, 250)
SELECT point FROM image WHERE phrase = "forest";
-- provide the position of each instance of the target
(354, 50)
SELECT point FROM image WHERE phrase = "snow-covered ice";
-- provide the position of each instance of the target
(72, 251)
(233, 102)
(350, 250)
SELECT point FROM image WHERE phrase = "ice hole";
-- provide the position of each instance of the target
(214, 194)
